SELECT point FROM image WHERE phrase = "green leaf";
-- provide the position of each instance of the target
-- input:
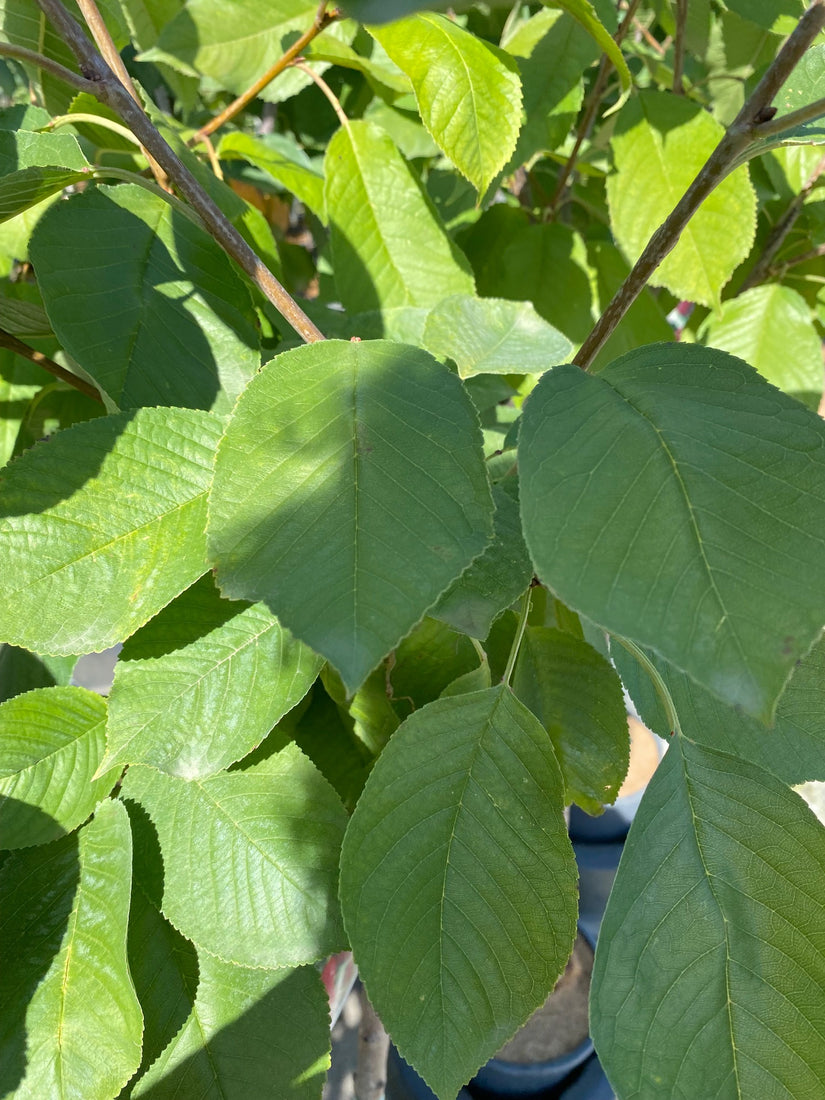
(326, 734)
(250, 858)
(577, 697)
(71, 1023)
(57, 406)
(551, 73)
(457, 841)
(34, 166)
(19, 382)
(376, 207)
(494, 580)
(793, 749)
(678, 499)
(22, 671)
(771, 328)
(51, 743)
(710, 969)
(779, 16)
(145, 300)
(202, 684)
(164, 965)
(493, 336)
(468, 91)
(427, 660)
(102, 526)
(584, 12)
(235, 44)
(282, 159)
(806, 84)
(249, 1032)
(349, 491)
(546, 265)
(660, 144)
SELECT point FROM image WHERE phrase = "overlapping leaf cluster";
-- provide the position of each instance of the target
(339, 717)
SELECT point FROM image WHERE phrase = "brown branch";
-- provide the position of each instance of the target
(591, 109)
(762, 268)
(744, 129)
(811, 254)
(660, 49)
(679, 46)
(100, 32)
(74, 80)
(33, 356)
(322, 19)
(109, 90)
(775, 126)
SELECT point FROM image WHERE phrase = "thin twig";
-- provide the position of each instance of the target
(679, 46)
(33, 356)
(762, 267)
(95, 120)
(322, 19)
(745, 128)
(591, 108)
(778, 125)
(100, 32)
(30, 57)
(325, 88)
(108, 89)
(660, 49)
(811, 254)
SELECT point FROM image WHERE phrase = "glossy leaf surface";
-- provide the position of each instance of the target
(203, 683)
(689, 516)
(712, 950)
(64, 978)
(250, 858)
(468, 91)
(459, 833)
(122, 497)
(349, 491)
(170, 297)
(51, 743)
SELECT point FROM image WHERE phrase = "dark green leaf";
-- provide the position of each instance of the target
(457, 840)
(145, 300)
(687, 515)
(710, 968)
(349, 491)
(577, 697)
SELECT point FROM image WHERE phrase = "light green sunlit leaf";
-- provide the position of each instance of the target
(145, 301)
(376, 208)
(51, 743)
(282, 159)
(493, 336)
(250, 1032)
(102, 526)
(203, 683)
(468, 91)
(584, 12)
(710, 968)
(678, 499)
(459, 838)
(250, 858)
(71, 1024)
(349, 492)
(660, 144)
(771, 328)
